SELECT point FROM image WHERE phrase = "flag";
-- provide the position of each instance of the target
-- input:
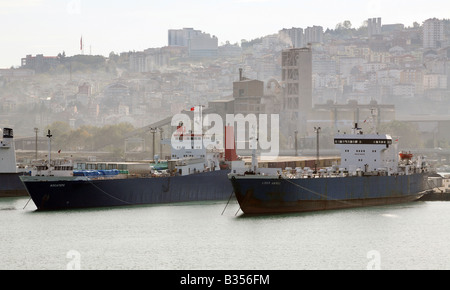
(396, 140)
(192, 109)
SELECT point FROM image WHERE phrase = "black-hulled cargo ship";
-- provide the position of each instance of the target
(51, 193)
(193, 174)
(371, 173)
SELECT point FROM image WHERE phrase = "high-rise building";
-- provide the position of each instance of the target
(293, 35)
(181, 37)
(203, 45)
(374, 26)
(199, 44)
(297, 76)
(433, 33)
(314, 34)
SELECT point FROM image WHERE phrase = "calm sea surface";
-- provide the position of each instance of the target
(197, 237)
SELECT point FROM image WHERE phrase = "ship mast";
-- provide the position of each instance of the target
(49, 135)
(254, 145)
(373, 113)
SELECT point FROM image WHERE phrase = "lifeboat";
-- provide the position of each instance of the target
(405, 155)
(223, 165)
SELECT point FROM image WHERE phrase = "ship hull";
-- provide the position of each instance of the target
(11, 186)
(273, 195)
(67, 193)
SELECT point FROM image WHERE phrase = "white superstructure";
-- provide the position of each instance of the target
(190, 154)
(7, 152)
(367, 152)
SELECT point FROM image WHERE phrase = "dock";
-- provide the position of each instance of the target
(436, 194)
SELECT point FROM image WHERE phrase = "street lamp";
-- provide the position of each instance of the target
(317, 130)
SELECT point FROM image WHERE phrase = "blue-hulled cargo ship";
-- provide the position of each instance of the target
(94, 190)
(371, 173)
(193, 174)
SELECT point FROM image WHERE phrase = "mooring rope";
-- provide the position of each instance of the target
(317, 193)
(116, 198)
(227, 202)
(432, 187)
(26, 204)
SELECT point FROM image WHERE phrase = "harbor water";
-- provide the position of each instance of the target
(197, 236)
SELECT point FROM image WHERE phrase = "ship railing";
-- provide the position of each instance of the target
(303, 175)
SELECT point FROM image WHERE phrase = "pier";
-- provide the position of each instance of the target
(436, 194)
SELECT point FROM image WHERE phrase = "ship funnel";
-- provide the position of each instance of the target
(230, 145)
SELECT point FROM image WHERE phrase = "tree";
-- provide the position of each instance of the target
(60, 131)
(344, 25)
(407, 133)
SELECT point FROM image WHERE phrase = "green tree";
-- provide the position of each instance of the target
(407, 133)
(60, 132)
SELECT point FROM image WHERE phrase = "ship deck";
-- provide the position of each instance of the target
(293, 161)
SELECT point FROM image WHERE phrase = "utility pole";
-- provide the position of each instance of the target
(153, 131)
(317, 130)
(161, 131)
(36, 130)
(296, 144)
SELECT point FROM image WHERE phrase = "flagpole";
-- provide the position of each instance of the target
(81, 45)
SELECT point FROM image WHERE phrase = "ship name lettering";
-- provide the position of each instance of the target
(57, 185)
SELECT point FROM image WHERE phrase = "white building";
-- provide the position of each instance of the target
(294, 36)
(203, 45)
(446, 184)
(199, 44)
(374, 26)
(314, 34)
(435, 81)
(181, 37)
(433, 33)
(403, 90)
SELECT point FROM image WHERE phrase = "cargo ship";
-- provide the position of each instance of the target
(371, 173)
(193, 174)
(10, 172)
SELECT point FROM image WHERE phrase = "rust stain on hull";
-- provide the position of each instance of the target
(251, 206)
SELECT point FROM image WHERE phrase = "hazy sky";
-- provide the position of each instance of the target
(51, 26)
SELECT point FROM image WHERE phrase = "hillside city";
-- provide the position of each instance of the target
(402, 72)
